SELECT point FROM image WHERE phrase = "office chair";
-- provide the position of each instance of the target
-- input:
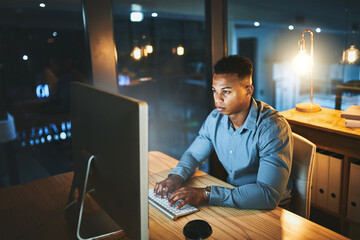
(302, 171)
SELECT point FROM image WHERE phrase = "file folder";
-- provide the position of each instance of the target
(322, 179)
(334, 183)
(353, 208)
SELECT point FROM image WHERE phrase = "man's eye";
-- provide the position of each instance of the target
(226, 92)
(213, 91)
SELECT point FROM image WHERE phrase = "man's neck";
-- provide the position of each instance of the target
(238, 119)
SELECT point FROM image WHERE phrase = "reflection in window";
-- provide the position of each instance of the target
(161, 61)
(42, 50)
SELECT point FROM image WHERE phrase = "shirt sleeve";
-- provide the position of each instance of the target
(275, 152)
(196, 154)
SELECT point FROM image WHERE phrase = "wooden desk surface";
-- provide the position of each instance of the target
(34, 211)
(327, 119)
(326, 129)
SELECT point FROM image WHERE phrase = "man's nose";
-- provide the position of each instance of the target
(218, 97)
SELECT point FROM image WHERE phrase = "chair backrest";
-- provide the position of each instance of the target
(302, 171)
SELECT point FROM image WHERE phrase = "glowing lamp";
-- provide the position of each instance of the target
(351, 55)
(303, 64)
(149, 48)
(180, 50)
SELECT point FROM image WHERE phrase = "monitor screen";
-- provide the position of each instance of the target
(111, 130)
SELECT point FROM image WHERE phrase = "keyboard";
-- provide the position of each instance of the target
(171, 211)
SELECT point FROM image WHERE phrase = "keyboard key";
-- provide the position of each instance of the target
(171, 211)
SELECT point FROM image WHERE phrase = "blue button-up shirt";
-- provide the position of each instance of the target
(257, 157)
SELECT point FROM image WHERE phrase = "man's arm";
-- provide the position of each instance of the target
(193, 157)
(275, 150)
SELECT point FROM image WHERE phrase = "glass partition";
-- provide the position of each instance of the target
(42, 50)
(161, 59)
(268, 33)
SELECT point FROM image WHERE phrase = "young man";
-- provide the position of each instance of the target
(252, 141)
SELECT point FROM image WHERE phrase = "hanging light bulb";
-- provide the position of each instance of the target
(142, 51)
(180, 50)
(149, 48)
(351, 55)
(302, 62)
(136, 53)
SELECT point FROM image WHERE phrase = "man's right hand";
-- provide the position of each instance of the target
(171, 183)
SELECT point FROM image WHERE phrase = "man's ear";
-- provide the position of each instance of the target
(249, 90)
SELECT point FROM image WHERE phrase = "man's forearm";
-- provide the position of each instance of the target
(250, 196)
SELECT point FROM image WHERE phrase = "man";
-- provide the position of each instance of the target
(252, 141)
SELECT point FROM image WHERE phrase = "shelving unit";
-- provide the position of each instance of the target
(327, 130)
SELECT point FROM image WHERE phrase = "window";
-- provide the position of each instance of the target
(42, 49)
(161, 59)
(268, 33)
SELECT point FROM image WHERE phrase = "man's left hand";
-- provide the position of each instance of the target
(188, 195)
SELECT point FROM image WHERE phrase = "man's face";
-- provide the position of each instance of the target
(231, 94)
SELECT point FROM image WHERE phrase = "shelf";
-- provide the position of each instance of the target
(327, 130)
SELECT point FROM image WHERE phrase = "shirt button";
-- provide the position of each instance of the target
(233, 134)
(230, 170)
(230, 152)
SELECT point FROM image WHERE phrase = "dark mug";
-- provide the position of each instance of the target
(197, 229)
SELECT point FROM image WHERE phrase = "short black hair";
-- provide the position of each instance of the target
(234, 64)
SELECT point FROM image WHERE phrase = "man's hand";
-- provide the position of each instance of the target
(189, 195)
(171, 183)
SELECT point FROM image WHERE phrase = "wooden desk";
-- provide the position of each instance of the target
(327, 130)
(25, 207)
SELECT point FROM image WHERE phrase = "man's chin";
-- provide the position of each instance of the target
(223, 111)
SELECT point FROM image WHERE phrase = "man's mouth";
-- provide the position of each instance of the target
(220, 108)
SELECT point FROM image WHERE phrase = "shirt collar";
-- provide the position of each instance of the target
(250, 122)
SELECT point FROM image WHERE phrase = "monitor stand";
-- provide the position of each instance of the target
(95, 224)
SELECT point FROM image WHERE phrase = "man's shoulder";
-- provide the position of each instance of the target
(265, 110)
(268, 114)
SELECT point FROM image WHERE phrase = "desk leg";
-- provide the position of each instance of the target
(338, 99)
(8, 166)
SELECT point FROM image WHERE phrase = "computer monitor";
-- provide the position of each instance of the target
(110, 152)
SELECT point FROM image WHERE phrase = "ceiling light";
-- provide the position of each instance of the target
(180, 50)
(42, 5)
(136, 16)
(351, 55)
(256, 24)
(291, 27)
(136, 7)
(154, 14)
(318, 30)
(149, 48)
(136, 53)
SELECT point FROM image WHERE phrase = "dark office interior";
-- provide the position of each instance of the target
(164, 58)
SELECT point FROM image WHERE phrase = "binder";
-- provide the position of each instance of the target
(313, 183)
(353, 208)
(322, 179)
(352, 123)
(352, 112)
(334, 183)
